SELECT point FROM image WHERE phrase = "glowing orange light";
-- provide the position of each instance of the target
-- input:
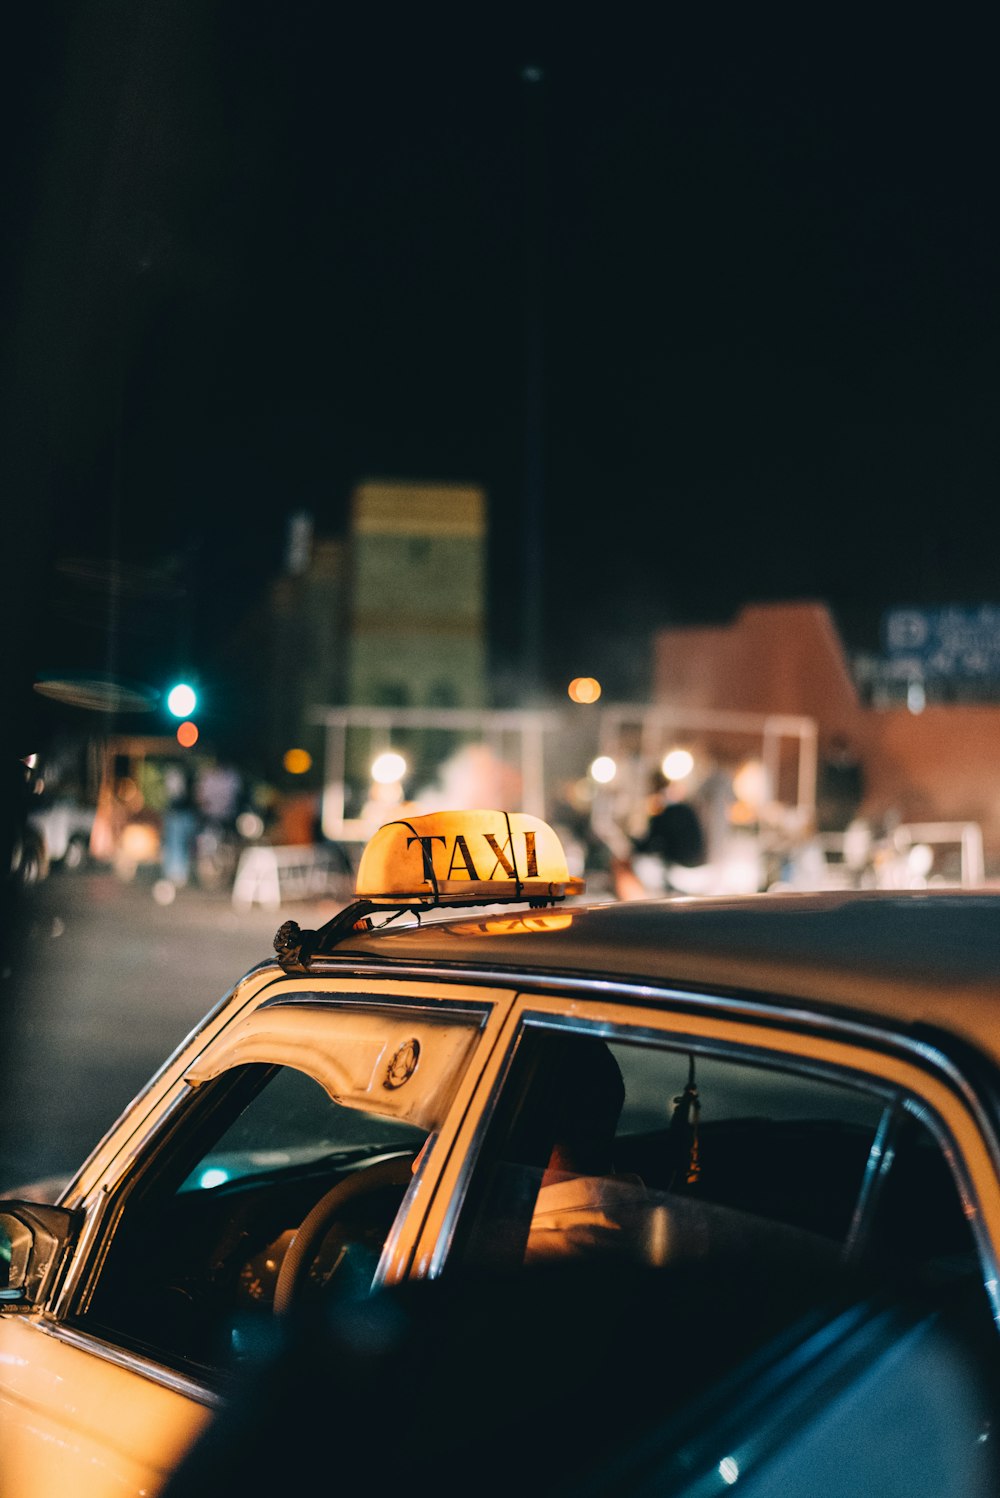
(297, 761)
(187, 735)
(584, 689)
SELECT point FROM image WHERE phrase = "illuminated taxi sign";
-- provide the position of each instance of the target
(464, 858)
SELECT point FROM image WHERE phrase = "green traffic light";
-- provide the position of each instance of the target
(182, 700)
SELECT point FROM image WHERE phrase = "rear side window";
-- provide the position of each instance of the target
(608, 1149)
(788, 1149)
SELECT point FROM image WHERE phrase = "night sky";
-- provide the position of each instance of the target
(747, 263)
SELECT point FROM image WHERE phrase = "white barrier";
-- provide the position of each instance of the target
(966, 836)
(856, 859)
(269, 876)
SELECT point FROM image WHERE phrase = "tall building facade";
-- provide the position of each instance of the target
(391, 614)
(417, 595)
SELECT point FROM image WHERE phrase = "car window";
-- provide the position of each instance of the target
(672, 1158)
(292, 1124)
(276, 1179)
(193, 1271)
(915, 1228)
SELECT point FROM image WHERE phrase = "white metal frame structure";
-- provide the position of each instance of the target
(768, 729)
(765, 731)
(493, 725)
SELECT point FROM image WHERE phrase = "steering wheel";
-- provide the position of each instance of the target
(314, 1227)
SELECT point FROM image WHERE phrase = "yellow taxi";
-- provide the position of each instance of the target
(470, 1070)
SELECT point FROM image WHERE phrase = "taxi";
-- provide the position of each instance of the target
(469, 1071)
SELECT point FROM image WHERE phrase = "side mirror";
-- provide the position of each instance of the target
(34, 1240)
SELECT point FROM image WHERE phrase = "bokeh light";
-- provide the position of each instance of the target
(751, 784)
(181, 700)
(603, 769)
(187, 735)
(297, 761)
(584, 689)
(677, 764)
(388, 767)
(250, 825)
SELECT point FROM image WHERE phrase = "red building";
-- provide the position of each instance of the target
(939, 764)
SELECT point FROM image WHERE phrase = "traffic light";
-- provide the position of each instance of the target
(182, 700)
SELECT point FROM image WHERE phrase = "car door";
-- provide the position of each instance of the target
(898, 1396)
(188, 1209)
(757, 1292)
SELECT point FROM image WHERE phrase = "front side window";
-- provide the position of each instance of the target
(276, 1184)
(201, 1258)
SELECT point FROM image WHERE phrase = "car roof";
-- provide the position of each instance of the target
(929, 957)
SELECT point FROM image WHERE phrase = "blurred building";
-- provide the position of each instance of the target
(390, 614)
(305, 644)
(417, 606)
(772, 658)
(922, 761)
(391, 617)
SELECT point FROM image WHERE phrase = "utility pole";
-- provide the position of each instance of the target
(532, 79)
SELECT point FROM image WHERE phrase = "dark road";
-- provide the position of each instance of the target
(107, 984)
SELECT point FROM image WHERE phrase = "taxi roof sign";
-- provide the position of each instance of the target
(442, 858)
(464, 858)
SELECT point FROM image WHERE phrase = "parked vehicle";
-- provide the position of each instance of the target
(64, 827)
(758, 1115)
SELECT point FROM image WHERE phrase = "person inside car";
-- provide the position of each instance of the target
(583, 1207)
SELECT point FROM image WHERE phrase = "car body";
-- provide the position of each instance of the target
(65, 827)
(801, 1108)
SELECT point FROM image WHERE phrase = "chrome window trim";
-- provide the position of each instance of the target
(880, 1158)
(372, 1002)
(132, 1362)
